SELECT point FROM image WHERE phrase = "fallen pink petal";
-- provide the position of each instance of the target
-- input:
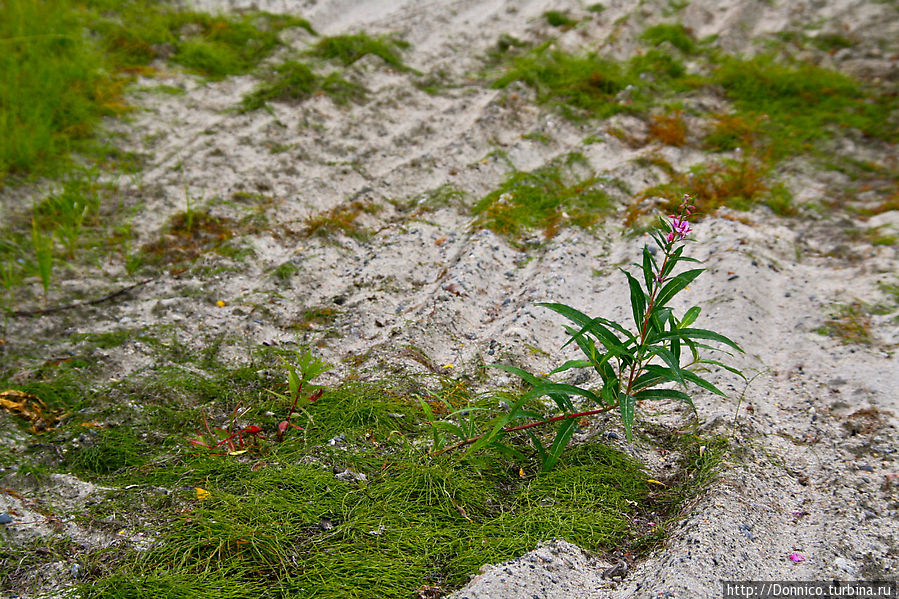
(797, 557)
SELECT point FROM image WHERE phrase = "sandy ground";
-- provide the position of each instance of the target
(817, 426)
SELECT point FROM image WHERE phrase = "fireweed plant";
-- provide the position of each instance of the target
(635, 364)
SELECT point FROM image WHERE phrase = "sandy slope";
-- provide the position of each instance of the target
(464, 295)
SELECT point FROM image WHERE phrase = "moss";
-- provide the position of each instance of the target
(831, 42)
(669, 129)
(802, 104)
(850, 323)
(415, 521)
(558, 18)
(739, 184)
(293, 81)
(188, 235)
(347, 49)
(340, 220)
(547, 198)
(577, 84)
(587, 85)
(675, 34)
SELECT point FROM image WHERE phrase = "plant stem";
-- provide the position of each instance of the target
(522, 427)
(637, 365)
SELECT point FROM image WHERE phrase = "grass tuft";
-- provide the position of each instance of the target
(675, 34)
(669, 129)
(53, 89)
(295, 81)
(795, 106)
(558, 18)
(547, 198)
(347, 49)
(588, 85)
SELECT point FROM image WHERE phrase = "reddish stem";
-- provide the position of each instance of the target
(522, 427)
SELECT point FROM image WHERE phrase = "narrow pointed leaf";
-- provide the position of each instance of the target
(566, 429)
(572, 364)
(690, 317)
(556, 389)
(581, 319)
(649, 268)
(523, 374)
(638, 299)
(695, 334)
(676, 285)
(724, 366)
(627, 415)
(701, 382)
(541, 451)
(671, 361)
(665, 394)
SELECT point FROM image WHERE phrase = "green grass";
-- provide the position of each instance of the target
(675, 34)
(137, 32)
(547, 198)
(293, 81)
(63, 66)
(558, 18)
(412, 521)
(53, 88)
(795, 106)
(278, 522)
(587, 85)
(347, 49)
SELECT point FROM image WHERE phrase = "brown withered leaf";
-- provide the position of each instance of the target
(30, 407)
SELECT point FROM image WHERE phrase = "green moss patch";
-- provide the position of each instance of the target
(293, 81)
(347, 49)
(547, 198)
(588, 85)
(796, 105)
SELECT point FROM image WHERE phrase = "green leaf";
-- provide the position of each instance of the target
(698, 380)
(604, 335)
(554, 390)
(670, 360)
(690, 317)
(541, 451)
(451, 428)
(610, 391)
(572, 314)
(638, 299)
(695, 334)
(649, 268)
(649, 378)
(513, 454)
(572, 364)
(581, 319)
(676, 285)
(672, 262)
(665, 394)
(724, 366)
(563, 435)
(293, 381)
(627, 406)
(523, 374)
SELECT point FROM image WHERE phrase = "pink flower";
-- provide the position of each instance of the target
(681, 228)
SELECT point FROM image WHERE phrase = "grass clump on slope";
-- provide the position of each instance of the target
(546, 198)
(284, 525)
(63, 66)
